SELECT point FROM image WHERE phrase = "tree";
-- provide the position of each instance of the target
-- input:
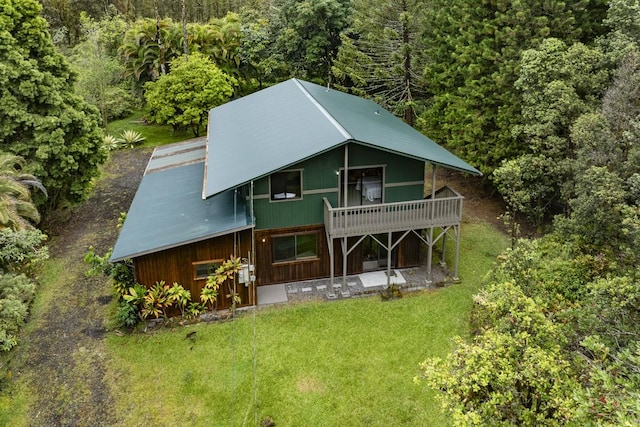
(100, 75)
(604, 204)
(307, 34)
(17, 210)
(150, 46)
(258, 58)
(558, 83)
(556, 343)
(147, 47)
(381, 55)
(184, 97)
(41, 118)
(220, 40)
(474, 51)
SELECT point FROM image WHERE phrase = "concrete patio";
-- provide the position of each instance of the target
(360, 285)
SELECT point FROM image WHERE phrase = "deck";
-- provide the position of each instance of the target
(392, 217)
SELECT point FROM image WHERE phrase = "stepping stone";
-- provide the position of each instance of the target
(331, 295)
(321, 288)
(337, 286)
(308, 289)
(293, 291)
(352, 284)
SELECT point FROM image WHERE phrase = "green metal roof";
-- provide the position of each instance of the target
(274, 128)
(168, 211)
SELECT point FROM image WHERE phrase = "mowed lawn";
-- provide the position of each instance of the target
(342, 363)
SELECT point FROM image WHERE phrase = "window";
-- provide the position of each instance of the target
(286, 185)
(204, 269)
(295, 247)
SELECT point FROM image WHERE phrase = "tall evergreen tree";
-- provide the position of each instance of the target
(474, 50)
(41, 118)
(381, 55)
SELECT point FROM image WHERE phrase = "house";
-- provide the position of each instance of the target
(300, 181)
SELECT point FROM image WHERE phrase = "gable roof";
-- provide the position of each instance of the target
(274, 128)
(168, 210)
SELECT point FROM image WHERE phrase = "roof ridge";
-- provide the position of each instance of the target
(323, 110)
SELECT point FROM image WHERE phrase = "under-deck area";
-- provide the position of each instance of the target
(442, 211)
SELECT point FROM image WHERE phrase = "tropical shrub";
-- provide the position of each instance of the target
(16, 293)
(110, 142)
(21, 251)
(130, 138)
(556, 343)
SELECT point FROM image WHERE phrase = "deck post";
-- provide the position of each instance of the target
(458, 229)
(344, 263)
(431, 217)
(345, 204)
(389, 249)
(429, 255)
(443, 261)
(331, 260)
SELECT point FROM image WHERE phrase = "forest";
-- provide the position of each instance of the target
(542, 96)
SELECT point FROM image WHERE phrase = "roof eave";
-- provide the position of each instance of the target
(178, 244)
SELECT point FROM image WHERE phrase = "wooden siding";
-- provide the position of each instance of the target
(406, 254)
(268, 272)
(176, 265)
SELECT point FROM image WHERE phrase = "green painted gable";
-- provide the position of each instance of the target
(320, 179)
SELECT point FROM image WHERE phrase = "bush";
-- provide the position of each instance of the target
(16, 293)
(21, 251)
(126, 314)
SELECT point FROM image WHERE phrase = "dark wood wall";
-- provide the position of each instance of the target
(176, 265)
(268, 272)
(406, 254)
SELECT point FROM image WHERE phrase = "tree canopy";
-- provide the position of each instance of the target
(184, 97)
(41, 117)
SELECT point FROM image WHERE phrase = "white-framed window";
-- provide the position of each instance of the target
(295, 247)
(286, 185)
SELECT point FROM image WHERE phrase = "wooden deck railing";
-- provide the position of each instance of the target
(390, 217)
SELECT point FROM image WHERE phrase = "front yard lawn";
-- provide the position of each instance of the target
(349, 362)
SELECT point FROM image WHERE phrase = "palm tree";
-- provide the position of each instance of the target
(17, 210)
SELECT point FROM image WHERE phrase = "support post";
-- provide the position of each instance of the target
(389, 249)
(431, 213)
(345, 188)
(458, 229)
(429, 256)
(433, 181)
(331, 261)
(344, 263)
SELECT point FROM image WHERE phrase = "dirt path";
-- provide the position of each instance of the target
(63, 362)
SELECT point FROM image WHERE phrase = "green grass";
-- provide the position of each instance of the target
(16, 398)
(350, 362)
(155, 135)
